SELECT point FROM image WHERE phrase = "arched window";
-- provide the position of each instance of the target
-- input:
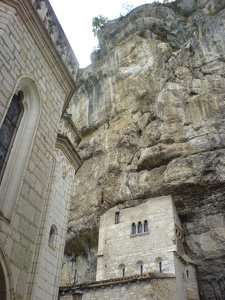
(139, 227)
(139, 267)
(160, 267)
(145, 226)
(123, 272)
(8, 130)
(17, 157)
(133, 228)
(52, 236)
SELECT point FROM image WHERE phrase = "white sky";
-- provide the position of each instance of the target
(76, 16)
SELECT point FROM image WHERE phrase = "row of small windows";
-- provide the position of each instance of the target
(139, 266)
(139, 228)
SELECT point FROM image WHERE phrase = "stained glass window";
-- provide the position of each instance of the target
(9, 129)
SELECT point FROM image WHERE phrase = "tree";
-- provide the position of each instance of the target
(126, 8)
(97, 24)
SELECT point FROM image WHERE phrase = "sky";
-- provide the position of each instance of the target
(76, 17)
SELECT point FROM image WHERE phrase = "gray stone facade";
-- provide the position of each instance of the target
(141, 255)
(41, 162)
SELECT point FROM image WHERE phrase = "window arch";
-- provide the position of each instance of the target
(159, 262)
(140, 267)
(160, 266)
(22, 145)
(139, 227)
(145, 226)
(133, 229)
(52, 236)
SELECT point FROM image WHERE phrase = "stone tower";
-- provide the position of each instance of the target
(141, 255)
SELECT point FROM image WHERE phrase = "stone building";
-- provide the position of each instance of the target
(37, 148)
(141, 255)
(150, 111)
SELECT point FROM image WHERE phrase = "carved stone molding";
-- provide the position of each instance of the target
(68, 129)
(67, 139)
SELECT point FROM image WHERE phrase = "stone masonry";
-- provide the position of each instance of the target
(37, 182)
(141, 255)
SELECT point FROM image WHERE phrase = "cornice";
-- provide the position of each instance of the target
(35, 26)
(111, 282)
(64, 144)
(68, 128)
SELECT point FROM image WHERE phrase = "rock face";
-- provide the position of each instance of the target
(151, 112)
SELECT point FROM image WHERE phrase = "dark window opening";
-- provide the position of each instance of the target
(133, 228)
(160, 267)
(145, 226)
(9, 129)
(141, 269)
(2, 284)
(187, 273)
(117, 217)
(139, 227)
(123, 272)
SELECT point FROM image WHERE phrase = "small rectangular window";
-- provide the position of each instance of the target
(117, 217)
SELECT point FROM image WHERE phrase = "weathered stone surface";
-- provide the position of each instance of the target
(151, 115)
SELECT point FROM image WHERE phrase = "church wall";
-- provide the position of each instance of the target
(56, 217)
(23, 53)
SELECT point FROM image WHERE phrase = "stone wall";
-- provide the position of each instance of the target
(155, 289)
(30, 63)
(118, 246)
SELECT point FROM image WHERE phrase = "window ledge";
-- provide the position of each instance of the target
(138, 234)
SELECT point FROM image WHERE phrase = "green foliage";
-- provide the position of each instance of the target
(126, 8)
(98, 23)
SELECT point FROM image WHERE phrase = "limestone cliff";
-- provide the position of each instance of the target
(151, 112)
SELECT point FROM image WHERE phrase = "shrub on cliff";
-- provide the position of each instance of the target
(97, 23)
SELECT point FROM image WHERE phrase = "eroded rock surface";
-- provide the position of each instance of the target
(151, 112)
